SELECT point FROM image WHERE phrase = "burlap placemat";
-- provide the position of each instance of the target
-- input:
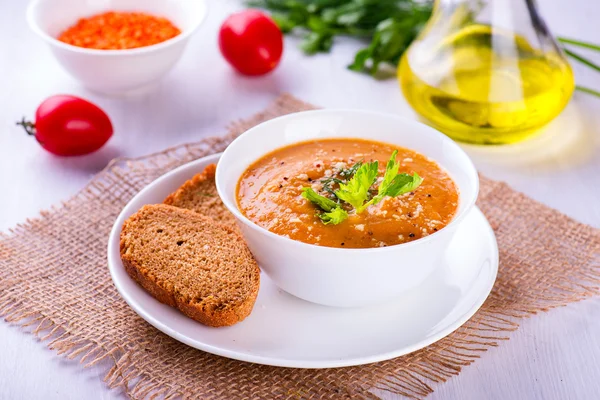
(54, 280)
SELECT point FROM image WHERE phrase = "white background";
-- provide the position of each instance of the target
(552, 356)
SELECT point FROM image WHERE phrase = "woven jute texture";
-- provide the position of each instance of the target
(55, 282)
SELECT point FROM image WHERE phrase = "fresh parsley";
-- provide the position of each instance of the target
(356, 191)
(388, 25)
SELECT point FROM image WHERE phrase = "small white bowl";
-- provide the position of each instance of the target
(335, 276)
(115, 72)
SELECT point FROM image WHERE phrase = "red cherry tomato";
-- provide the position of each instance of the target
(251, 42)
(69, 126)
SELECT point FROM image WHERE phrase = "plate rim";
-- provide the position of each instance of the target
(113, 241)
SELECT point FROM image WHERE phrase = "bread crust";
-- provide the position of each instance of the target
(206, 175)
(205, 312)
(208, 317)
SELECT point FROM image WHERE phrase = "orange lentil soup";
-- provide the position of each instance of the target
(119, 30)
(269, 193)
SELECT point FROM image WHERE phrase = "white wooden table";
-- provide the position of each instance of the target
(552, 356)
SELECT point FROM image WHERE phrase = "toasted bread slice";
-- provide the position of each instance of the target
(188, 261)
(199, 194)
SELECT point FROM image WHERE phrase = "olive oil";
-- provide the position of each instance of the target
(484, 86)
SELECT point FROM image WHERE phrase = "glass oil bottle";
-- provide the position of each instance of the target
(486, 71)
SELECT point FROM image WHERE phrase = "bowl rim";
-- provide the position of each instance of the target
(185, 34)
(458, 218)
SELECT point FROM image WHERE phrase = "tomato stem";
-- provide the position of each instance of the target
(28, 126)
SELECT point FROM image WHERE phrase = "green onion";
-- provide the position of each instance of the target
(582, 60)
(578, 43)
(587, 90)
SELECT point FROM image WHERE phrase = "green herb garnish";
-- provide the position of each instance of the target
(347, 173)
(333, 212)
(344, 174)
(335, 216)
(322, 202)
(328, 183)
(395, 184)
(357, 192)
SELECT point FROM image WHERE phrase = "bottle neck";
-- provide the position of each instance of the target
(509, 14)
(506, 24)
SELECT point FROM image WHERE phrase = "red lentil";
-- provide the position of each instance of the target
(119, 30)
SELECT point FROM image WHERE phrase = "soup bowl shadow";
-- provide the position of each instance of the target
(338, 276)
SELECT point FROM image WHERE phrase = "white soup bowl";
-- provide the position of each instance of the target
(338, 276)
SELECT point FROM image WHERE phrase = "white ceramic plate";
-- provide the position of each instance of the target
(286, 331)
